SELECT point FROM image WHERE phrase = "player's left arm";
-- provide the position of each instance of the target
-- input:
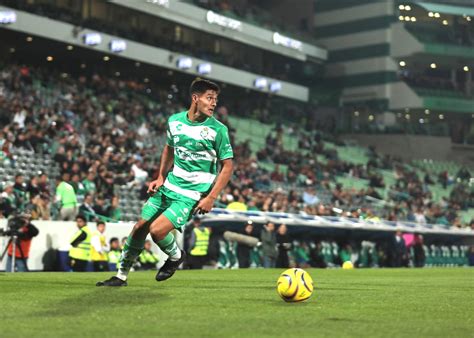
(205, 205)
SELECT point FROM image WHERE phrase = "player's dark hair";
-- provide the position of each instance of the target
(100, 222)
(200, 86)
(81, 217)
(113, 239)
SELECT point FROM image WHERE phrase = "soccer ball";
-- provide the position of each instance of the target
(348, 265)
(295, 285)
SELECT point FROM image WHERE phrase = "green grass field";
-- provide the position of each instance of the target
(223, 303)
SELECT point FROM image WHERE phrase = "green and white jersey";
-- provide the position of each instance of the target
(197, 148)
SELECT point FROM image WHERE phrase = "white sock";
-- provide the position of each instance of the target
(176, 256)
(122, 275)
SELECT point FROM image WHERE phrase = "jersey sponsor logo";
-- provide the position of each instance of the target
(186, 154)
(178, 127)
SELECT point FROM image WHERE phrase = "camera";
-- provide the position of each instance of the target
(15, 223)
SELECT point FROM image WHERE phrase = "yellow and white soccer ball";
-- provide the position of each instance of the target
(295, 285)
(348, 265)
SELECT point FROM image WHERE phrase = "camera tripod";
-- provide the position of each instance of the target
(15, 245)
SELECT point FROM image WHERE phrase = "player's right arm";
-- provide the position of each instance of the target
(167, 160)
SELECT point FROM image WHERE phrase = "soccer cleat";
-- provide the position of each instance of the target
(169, 268)
(113, 281)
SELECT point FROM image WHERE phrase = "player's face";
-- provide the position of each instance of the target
(207, 102)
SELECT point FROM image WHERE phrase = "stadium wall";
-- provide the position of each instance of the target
(58, 234)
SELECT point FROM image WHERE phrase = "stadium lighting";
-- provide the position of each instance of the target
(413, 19)
(433, 65)
(117, 73)
(402, 63)
(12, 50)
(421, 121)
(92, 39)
(445, 22)
(260, 83)
(29, 38)
(204, 68)
(137, 64)
(407, 18)
(184, 62)
(64, 75)
(430, 14)
(468, 18)
(441, 116)
(83, 65)
(117, 46)
(436, 15)
(7, 17)
(371, 117)
(275, 86)
(466, 68)
(106, 58)
(407, 116)
(401, 18)
(49, 58)
(408, 8)
(401, 7)
(146, 80)
(427, 111)
(69, 47)
(356, 113)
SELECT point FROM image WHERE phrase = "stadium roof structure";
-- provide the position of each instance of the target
(446, 9)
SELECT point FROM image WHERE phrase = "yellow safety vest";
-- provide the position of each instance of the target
(148, 257)
(114, 256)
(83, 250)
(95, 255)
(202, 242)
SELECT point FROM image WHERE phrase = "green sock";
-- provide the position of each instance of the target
(168, 246)
(131, 250)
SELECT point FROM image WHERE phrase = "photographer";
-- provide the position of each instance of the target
(21, 228)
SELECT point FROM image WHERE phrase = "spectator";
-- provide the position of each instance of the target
(88, 183)
(243, 250)
(99, 248)
(7, 201)
(418, 252)
(114, 253)
(113, 210)
(99, 206)
(66, 198)
(400, 250)
(87, 209)
(284, 246)
(269, 244)
(20, 191)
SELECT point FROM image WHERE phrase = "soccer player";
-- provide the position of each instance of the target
(187, 182)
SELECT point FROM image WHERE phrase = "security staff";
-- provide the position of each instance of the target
(148, 259)
(114, 253)
(99, 248)
(80, 252)
(199, 245)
